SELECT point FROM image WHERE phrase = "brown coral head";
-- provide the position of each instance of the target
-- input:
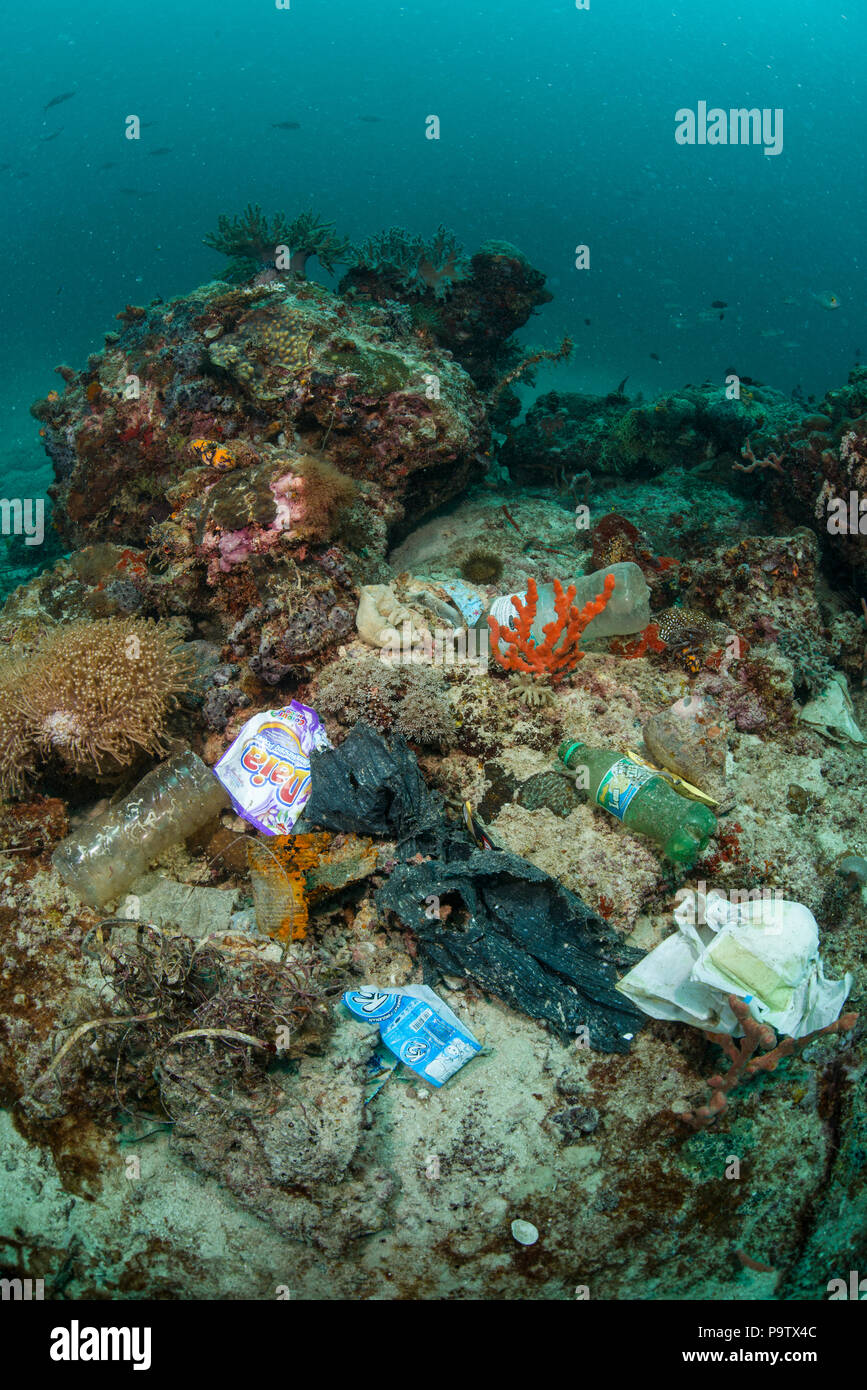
(327, 494)
(97, 694)
(482, 567)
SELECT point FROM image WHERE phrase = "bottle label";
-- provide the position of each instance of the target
(621, 783)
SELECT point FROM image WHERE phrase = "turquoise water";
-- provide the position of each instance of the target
(557, 128)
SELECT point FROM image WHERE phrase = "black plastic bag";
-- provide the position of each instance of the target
(512, 929)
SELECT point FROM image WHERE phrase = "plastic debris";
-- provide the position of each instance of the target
(287, 872)
(521, 936)
(832, 713)
(490, 917)
(170, 803)
(371, 788)
(765, 951)
(418, 1027)
(627, 609)
(640, 797)
(266, 770)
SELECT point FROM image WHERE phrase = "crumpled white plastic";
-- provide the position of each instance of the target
(832, 713)
(765, 951)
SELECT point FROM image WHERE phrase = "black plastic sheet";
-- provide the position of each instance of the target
(487, 915)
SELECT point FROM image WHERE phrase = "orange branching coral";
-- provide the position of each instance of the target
(560, 652)
(94, 695)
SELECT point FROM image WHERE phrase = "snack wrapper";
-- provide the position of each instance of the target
(418, 1027)
(266, 771)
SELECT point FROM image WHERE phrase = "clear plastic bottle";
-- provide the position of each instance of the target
(173, 801)
(627, 610)
(643, 800)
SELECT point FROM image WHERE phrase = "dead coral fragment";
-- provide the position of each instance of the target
(758, 1038)
(94, 695)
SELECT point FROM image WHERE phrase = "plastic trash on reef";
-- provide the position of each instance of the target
(831, 713)
(266, 771)
(627, 610)
(418, 1027)
(170, 803)
(765, 952)
(641, 797)
(513, 929)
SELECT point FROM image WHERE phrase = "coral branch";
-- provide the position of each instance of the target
(773, 460)
(759, 1039)
(564, 351)
(560, 652)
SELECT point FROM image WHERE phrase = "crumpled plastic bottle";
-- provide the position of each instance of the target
(170, 803)
(627, 610)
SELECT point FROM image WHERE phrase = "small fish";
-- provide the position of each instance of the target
(588, 322)
(285, 125)
(371, 120)
(163, 149)
(52, 136)
(827, 299)
(771, 333)
(110, 165)
(718, 304)
(655, 358)
(55, 101)
(476, 827)
(619, 391)
(137, 192)
(146, 125)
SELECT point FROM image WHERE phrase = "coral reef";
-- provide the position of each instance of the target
(560, 652)
(411, 700)
(757, 1051)
(274, 470)
(94, 696)
(252, 243)
(567, 436)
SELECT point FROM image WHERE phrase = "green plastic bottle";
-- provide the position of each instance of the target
(643, 800)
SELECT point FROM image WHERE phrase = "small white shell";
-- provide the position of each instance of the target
(525, 1232)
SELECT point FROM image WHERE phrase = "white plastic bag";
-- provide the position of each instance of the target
(764, 951)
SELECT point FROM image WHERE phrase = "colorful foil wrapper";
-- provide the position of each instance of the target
(417, 1027)
(266, 771)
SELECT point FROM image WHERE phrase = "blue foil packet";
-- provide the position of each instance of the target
(418, 1027)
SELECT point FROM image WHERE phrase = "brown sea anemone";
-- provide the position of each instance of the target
(17, 749)
(482, 567)
(94, 696)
